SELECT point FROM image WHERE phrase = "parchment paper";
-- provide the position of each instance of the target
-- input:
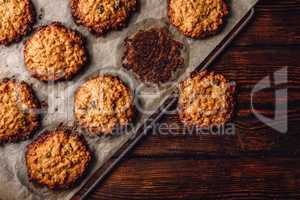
(105, 58)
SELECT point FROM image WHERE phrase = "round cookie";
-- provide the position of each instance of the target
(16, 20)
(55, 53)
(100, 16)
(153, 55)
(18, 111)
(57, 159)
(197, 18)
(205, 99)
(103, 104)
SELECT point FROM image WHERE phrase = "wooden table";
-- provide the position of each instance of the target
(255, 163)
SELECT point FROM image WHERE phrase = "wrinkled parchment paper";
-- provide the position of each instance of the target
(105, 58)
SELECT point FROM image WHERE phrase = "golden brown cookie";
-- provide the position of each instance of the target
(153, 55)
(18, 111)
(205, 99)
(16, 20)
(55, 53)
(197, 18)
(57, 159)
(103, 104)
(100, 16)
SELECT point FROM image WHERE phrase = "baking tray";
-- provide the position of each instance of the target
(105, 57)
(113, 161)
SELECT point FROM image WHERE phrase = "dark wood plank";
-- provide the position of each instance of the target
(275, 23)
(259, 141)
(192, 178)
(242, 61)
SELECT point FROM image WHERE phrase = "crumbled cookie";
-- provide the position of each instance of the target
(197, 18)
(153, 55)
(55, 53)
(57, 159)
(18, 111)
(100, 16)
(103, 104)
(205, 99)
(16, 20)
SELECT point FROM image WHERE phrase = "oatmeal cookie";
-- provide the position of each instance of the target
(197, 18)
(16, 20)
(205, 99)
(57, 159)
(100, 16)
(18, 111)
(103, 104)
(153, 55)
(55, 53)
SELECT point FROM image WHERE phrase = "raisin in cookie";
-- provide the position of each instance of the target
(103, 104)
(18, 111)
(16, 20)
(100, 16)
(55, 53)
(57, 159)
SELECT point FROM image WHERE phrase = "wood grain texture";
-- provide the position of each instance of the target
(190, 178)
(275, 23)
(256, 162)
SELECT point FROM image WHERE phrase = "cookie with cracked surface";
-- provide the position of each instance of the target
(18, 111)
(100, 16)
(153, 55)
(16, 20)
(103, 104)
(205, 99)
(57, 159)
(197, 18)
(55, 53)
